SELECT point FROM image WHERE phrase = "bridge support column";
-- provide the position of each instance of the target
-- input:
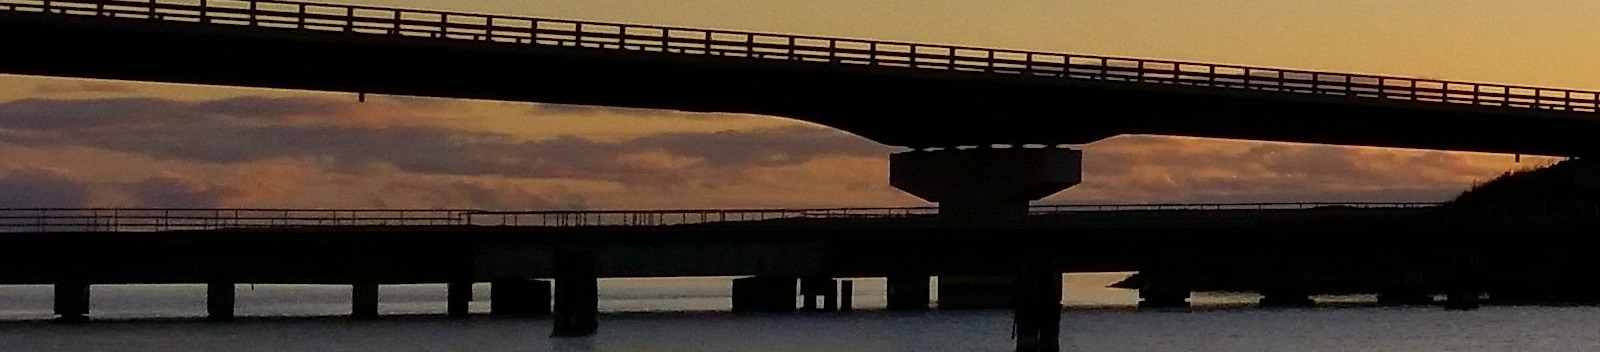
(908, 292)
(1286, 285)
(977, 292)
(458, 302)
(577, 295)
(1164, 289)
(847, 295)
(72, 302)
(516, 298)
(773, 294)
(1462, 288)
(220, 299)
(813, 288)
(364, 301)
(1037, 304)
(1405, 285)
(985, 187)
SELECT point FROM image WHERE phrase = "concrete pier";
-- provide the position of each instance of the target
(847, 295)
(459, 301)
(72, 302)
(220, 299)
(514, 298)
(364, 301)
(1165, 288)
(977, 292)
(1286, 299)
(984, 187)
(773, 294)
(1462, 300)
(577, 298)
(1037, 304)
(908, 292)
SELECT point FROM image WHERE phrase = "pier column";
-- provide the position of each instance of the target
(518, 298)
(459, 300)
(1405, 284)
(72, 302)
(908, 292)
(847, 295)
(364, 301)
(1286, 285)
(220, 299)
(1165, 288)
(773, 294)
(984, 187)
(1463, 284)
(577, 295)
(977, 292)
(1037, 303)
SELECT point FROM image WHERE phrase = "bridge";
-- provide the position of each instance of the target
(904, 94)
(1405, 252)
(990, 128)
(92, 220)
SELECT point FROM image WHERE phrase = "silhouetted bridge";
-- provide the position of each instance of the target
(45, 220)
(1288, 252)
(876, 89)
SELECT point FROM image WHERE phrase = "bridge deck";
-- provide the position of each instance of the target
(875, 89)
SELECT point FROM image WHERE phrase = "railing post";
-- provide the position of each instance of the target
(1028, 68)
(488, 29)
(872, 54)
(204, 17)
(578, 38)
(349, 19)
(912, 57)
(952, 63)
(991, 62)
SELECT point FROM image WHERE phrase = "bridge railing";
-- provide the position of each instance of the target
(155, 219)
(782, 47)
(148, 220)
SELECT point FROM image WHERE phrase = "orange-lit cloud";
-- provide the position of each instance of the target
(315, 151)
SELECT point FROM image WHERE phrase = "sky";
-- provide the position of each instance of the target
(78, 143)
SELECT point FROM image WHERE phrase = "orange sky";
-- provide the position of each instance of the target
(136, 144)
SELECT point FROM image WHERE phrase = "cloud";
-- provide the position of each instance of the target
(42, 188)
(78, 87)
(1135, 169)
(309, 151)
(178, 192)
(248, 129)
(546, 109)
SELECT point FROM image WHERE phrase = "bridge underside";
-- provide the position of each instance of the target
(895, 106)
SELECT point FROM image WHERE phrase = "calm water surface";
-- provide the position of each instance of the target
(690, 315)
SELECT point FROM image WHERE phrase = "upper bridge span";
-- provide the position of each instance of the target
(896, 93)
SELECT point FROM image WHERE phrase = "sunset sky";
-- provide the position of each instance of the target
(74, 143)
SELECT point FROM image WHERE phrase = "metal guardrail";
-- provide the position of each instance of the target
(155, 219)
(691, 41)
(148, 220)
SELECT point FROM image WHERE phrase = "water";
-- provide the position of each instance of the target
(689, 315)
